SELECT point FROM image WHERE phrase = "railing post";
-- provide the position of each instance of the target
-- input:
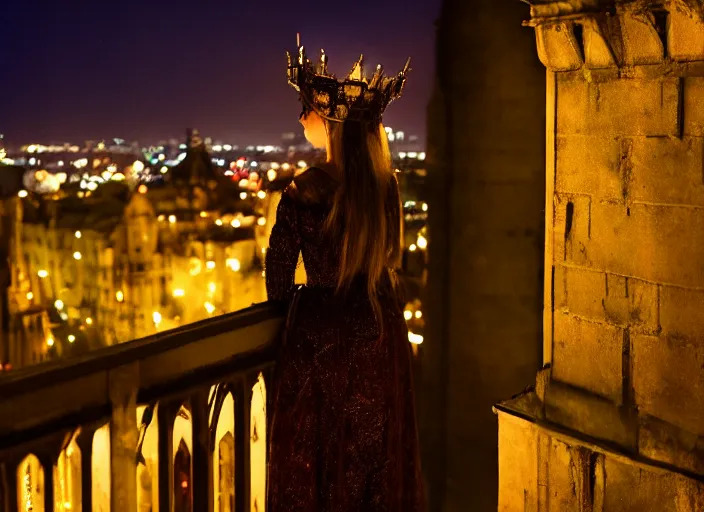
(85, 444)
(165, 423)
(123, 383)
(243, 404)
(202, 453)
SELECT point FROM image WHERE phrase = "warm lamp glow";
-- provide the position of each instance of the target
(416, 339)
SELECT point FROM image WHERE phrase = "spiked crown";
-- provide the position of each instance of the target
(356, 98)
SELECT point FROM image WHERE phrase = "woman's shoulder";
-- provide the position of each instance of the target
(315, 185)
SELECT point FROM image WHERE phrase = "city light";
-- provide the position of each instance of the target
(233, 264)
(211, 287)
(161, 218)
(30, 295)
(59, 304)
(419, 314)
(42, 274)
(119, 296)
(142, 189)
(172, 219)
(164, 170)
(156, 316)
(271, 174)
(71, 338)
(138, 166)
(261, 221)
(425, 207)
(178, 292)
(203, 215)
(218, 222)
(89, 321)
(235, 223)
(243, 195)
(302, 164)
(261, 194)
(209, 308)
(77, 255)
(416, 339)
(422, 242)
(78, 234)
(50, 342)
(210, 265)
(408, 314)
(22, 193)
(412, 248)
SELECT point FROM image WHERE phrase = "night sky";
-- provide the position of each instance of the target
(148, 69)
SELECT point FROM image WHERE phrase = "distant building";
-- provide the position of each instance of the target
(122, 264)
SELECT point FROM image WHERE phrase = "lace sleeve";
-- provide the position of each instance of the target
(284, 248)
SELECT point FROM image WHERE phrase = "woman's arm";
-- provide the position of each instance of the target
(284, 248)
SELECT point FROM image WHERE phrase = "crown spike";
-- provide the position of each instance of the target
(407, 67)
(298, 39)
(323, 62)
(357, 72)
(376, 78)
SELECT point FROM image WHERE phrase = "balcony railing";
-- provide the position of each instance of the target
(173, 422)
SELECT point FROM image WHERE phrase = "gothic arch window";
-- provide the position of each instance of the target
(182, 479)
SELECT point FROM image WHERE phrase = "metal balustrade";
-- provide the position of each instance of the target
(172, 422)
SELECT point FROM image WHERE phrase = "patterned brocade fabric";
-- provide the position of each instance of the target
(343, 435)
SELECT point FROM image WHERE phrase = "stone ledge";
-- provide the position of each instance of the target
(598, 34)
(661, 447)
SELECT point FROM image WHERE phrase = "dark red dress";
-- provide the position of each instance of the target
(343, 435)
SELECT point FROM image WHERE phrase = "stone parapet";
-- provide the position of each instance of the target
(546, 466)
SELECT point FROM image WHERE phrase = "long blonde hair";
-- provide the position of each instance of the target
(365, 213)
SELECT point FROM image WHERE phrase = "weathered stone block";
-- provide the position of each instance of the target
(682, 312)
(668, 379)
(585, 290)
(557, 47)
(668, 170)
(597, 52)
(631, 303)
(594, 416)
(630, 488)
(589, 165)
(662, 441)
(618, 108)
(563, 477)
(693, 97)
(656, 243)
(641, 42)
(685, 36)
(588, 355)
(571, 228)
(559, 287)
(518, 478)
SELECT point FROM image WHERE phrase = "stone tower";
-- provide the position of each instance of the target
(616, 421)
(483, 303)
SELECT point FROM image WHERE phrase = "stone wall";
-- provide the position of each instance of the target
(626, 333)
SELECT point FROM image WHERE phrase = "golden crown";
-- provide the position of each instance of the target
(355, 98)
